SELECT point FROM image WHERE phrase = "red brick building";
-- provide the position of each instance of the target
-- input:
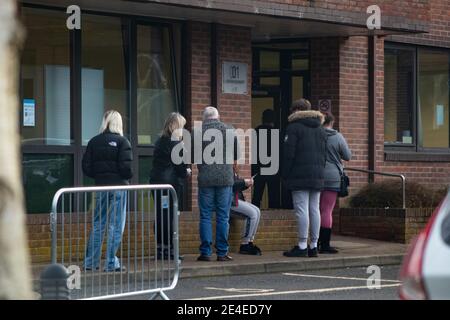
(387, 87)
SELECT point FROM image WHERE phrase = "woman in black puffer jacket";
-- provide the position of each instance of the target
(166, 171)
(304, 157)
(108, 160)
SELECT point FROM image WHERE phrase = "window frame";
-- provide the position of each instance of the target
(415, 147)
(130, 22)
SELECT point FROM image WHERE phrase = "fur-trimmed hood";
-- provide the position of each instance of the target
(315, 116)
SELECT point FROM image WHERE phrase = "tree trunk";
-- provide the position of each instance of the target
(14, 261)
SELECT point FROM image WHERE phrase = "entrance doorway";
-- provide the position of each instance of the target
(280, 76)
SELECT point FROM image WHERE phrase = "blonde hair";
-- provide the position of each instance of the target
(112, 122)
(173, 122)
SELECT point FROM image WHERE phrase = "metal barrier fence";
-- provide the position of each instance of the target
(117, 241)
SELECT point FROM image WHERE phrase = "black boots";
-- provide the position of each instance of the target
(324, 241)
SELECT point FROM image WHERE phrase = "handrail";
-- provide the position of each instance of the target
(401, 176)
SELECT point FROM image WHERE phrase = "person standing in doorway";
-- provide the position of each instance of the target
(263, 131)
(107, 160)
(337, 150)
(304, 157)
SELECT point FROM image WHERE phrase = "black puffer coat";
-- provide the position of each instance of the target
(108, 159)
(164, 171)
(304, 151)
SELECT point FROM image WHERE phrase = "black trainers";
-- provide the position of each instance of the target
(312, 253)
(256, 248)
(249, 249)
(224, 258)
(296, 252)
(204, 258)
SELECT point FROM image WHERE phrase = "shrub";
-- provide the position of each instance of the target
(388, 194)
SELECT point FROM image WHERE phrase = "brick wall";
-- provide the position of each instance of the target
(397, 225)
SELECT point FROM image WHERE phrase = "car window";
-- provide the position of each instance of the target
(445, 229)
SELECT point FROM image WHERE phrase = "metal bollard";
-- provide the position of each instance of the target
(54, 283)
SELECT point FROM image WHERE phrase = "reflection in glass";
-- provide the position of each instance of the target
(45, 79)
(398, 95)
(156, 96)
(43, 175)
(104, 81)
(433, 86)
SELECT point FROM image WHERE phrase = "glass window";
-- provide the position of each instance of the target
(433, 98)
(156, 95)
(269, 61)
(398, 95)
(45, 79)
(269, 81)
(145, 166)
(104, 69)
(43, 175)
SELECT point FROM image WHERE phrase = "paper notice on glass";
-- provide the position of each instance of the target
(29, 113)
(439, 115)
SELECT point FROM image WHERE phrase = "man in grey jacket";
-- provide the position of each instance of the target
(337, 150)
(215, 183)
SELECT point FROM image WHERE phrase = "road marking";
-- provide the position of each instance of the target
(333, 277)
(241, 290)
(292, 292)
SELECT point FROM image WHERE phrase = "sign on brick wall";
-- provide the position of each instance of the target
(234, 77)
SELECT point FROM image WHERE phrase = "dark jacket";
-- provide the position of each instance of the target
(164, 171)
(216, 174)
(256, 167)
(108, 159)
(238, 187)
(304, 151)
(337, 149)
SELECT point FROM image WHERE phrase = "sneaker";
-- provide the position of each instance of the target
(249, 249)
(204, 258)
(256, 248)
(296, 252)
(224, 258)
(312, 253)
(118, 269)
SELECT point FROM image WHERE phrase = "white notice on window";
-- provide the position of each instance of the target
(29, 112)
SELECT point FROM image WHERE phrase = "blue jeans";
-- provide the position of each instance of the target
(214, 199)
(109, 211)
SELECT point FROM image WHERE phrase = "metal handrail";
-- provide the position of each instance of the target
(401, 176)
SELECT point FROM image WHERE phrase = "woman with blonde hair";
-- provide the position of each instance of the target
(167, 171)
(108, 160)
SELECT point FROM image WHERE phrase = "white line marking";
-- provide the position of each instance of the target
(292, 292)
(333, 277)
(241, 290)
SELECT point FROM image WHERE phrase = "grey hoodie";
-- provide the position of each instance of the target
(337, 149)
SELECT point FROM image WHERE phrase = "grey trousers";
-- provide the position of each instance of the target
(307, 209)
(253, 214)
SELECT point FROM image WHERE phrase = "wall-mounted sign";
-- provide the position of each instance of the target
(29, 113)
(234, 77)
(325, 106)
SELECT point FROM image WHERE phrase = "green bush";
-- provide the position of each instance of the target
(388, 194)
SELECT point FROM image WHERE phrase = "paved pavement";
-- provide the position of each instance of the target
(353, 252)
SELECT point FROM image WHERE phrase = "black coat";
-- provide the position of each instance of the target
(238, 187)
(108, 159)
(164, 171)
(304, 151)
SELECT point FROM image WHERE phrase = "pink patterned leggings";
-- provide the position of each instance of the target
(327, 202)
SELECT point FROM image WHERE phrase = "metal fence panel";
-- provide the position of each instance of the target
(138, 223)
